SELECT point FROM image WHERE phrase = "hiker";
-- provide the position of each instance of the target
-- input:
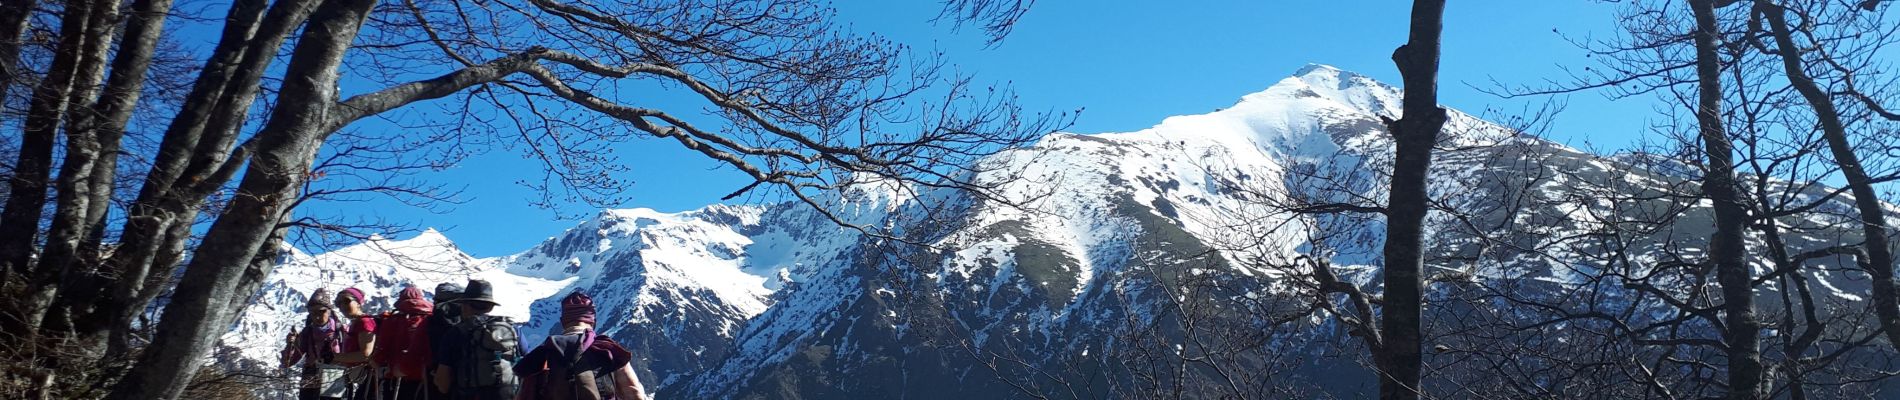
(315, 347)
(578, 364)
(357, 344)
(444, 340)
(402, 347)
(482, 366)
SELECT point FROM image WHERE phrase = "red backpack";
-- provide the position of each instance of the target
(402, 344)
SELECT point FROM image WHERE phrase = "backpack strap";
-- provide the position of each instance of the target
(583, 340)
(324, 341)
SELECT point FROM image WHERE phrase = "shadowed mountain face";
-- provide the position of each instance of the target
(1122, 255)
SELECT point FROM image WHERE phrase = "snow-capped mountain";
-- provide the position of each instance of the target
(1099, 222)
(381, 268)
(674, 287)
(1088, 259)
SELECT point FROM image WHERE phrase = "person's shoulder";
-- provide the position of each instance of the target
(554, 342)
(607, 345)
(603, 340)
(365, 322)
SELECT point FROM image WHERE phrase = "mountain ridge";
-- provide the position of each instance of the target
(1097, 234)
(617, 254)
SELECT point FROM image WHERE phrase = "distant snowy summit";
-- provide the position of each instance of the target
(682, 282)
(776, 301)
(704, 295)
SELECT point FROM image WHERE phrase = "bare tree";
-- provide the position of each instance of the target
(1399, 351)
(194, 159)
(809, 107)
(1766, 158)
(1214, 333)
(997, 17)
(1726, 247)
(85, 31)
(88, 173)
(1876, 243)
(1389, 323)
(13, 22)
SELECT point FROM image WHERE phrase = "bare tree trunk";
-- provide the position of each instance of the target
(86, 179)
(223, 268)
(1400, 361)
(19, 223)
(92, 139)
(199, 308)
(1727, 250)
(13, 18)
(1872, 217)
(158, 222)
(225, 263)
(118, 329)
(73, 188)
(255, 271)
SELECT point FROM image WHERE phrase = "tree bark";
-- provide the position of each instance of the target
(1400, 361)
(1727, 250)
(225, 267)
(93, 137)
(158, 222)
(73, 188)
(259, 268)
(20, 221)
(1866, 200)
(167, 248)
(13, 22)
(86, 179)
(199, 310)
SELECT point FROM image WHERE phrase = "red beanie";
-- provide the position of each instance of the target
(577, 307)
(356, 294)
(411, 301)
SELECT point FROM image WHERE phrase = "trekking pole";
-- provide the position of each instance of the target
(360, 383)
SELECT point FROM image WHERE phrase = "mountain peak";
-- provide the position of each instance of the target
(1332, 83)
(428, 236)
(1291, 116)
(1320, 69)
(632, 213)
(428, 250)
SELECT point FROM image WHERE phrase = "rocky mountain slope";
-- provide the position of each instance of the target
(1100, 250)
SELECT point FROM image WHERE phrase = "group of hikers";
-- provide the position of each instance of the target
(451, 348)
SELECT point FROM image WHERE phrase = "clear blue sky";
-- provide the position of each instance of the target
(1129, 63)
